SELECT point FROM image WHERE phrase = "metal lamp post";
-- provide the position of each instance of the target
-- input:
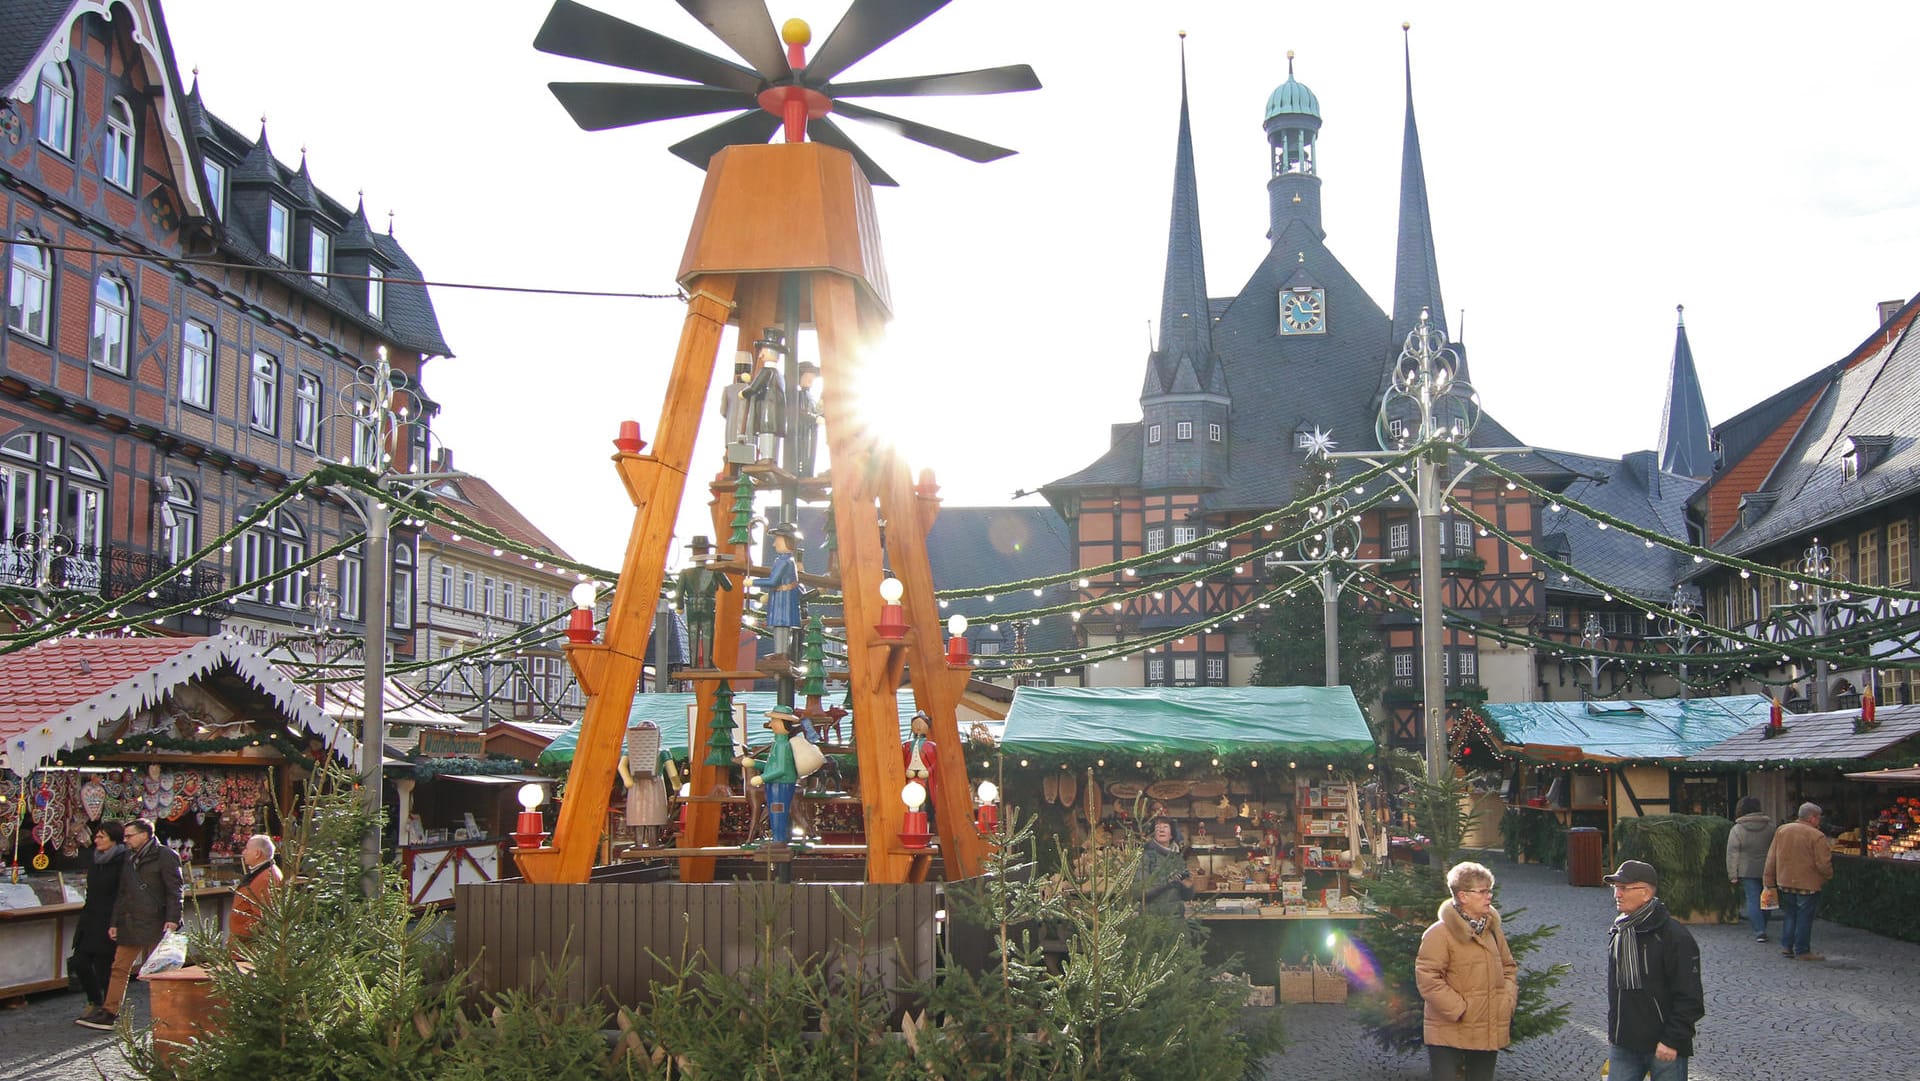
(1429, 407)
(1333, 553)
(1817, 562)
(1680, 637)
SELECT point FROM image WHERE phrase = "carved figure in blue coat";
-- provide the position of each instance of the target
(782, 586)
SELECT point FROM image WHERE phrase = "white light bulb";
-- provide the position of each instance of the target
(583, 595)
(989, 792)
(532, 795)
(914, 795)
(891, 589)
(956, 624)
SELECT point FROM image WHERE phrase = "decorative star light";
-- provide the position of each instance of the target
(1319, 443)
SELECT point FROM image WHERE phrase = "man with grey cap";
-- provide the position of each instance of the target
(1799, 863)
(1654, 998)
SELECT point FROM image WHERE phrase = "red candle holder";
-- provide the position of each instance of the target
(987, 817)
(629, 441)
(957, 652)
(892, 625)
(529, 829)
(580, 626)
(914, 834)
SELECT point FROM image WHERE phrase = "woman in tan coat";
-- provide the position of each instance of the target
(1468, 978)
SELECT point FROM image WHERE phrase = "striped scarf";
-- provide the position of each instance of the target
(1623, 942)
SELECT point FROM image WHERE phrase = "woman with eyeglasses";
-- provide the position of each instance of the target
(1468, 978)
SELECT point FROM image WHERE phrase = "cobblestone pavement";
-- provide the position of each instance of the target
(1768, 1018)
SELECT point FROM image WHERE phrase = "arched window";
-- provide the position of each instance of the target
(48, 484)
(29, 285)
(107, 347)
(116, 164)
(53, 108)
(401, 587)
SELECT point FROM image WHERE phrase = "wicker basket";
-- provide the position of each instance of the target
(1329, 984)
(1296, 984)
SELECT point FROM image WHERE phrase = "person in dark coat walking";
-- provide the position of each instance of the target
(152, 893)
(92, 959)
(1654, 998)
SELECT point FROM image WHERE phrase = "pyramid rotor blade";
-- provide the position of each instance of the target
(598, 106)
(745, 129)
(1004, 80)
(826, 131)
(866, 26)
(585, 33)
(939, 138)
(748, 30)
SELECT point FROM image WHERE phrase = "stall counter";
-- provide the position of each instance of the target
(35, 942)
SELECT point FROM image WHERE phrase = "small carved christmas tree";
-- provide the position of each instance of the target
(742, 512)
(814, 655)
(720, 743)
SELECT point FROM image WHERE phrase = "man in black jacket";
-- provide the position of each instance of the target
(1653, 982)
(151, 894)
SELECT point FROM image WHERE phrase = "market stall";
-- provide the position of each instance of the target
(1564, 766)
(1865, 775)
(1269, 788)
(456, 806)
(201, 735)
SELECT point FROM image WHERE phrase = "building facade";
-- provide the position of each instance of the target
(189, 324)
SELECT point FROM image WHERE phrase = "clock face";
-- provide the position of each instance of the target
(1303, 311)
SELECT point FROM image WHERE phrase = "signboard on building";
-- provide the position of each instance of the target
(442, 743)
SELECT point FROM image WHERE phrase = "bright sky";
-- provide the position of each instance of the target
(1589, 166)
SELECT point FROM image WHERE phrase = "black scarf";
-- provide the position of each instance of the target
(111, 854)
(1623, 942)
(247, 879)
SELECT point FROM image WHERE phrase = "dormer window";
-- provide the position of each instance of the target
(376, 293)
(1302, 438)
(1863, 452)
(1215, 433)
(216, 174)
(319, 254)
(1153, 434)
(1183, 430)
(279, 230)
(117, 164)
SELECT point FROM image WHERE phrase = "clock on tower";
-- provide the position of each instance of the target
(1303, 311)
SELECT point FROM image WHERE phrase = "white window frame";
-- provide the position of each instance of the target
(279, 230)
(1156, 538)
(1215, 433)
(53, 108)
(1403, 664)
(376, 292)
(183, 536)
(1462, 538)
(1185, 534)
(1398, 536)
(1153, 434)
(1183, 431)
(263, 393)
(196, 363)
(216, 175)
(352, 570)
(112, 321)
(526, 604)
(466, 590)
(306, 411)
(1186, 669)
(366, 436)
(319, 255)
(1156, 670)
(486, 595)
(400, 588)
(116, 159)
(1469, 665)
(29, 288)
(1216, 671)
(446, 586)
(1302, 439)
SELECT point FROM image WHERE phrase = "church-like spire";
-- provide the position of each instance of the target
(1185, 323)
(1684, 445)
(1416, 270)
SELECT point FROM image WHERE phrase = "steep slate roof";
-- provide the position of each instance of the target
(1817, 736)
(482, 502)
(409, 319)
(1416, 268)
(1684, 435)
(1877, 397)
(25, 26)
(65, 691)
(1184, 361)
(1633, 489)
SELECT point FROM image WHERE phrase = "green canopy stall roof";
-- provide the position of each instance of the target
(1165, 721)
(1621, 731)
(669, 711)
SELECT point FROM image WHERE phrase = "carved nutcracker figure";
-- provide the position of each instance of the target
(805, 420)
(782, 585)
(766, 393)
(697, 586)
(738, 411)
(921, 756)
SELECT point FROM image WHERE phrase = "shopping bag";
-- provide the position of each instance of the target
(170, 954)
(807, 758)
(1770, 900)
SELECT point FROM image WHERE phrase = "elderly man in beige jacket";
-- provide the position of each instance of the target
(1799, 863)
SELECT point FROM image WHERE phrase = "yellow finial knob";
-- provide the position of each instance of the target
(796, 32)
